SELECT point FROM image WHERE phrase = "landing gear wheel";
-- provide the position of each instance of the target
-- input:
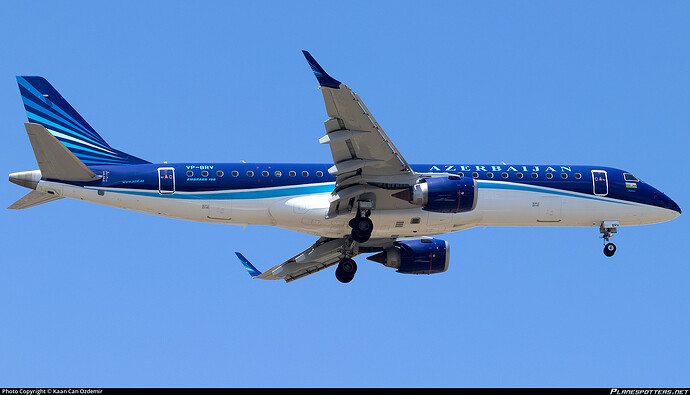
(361, 229)
(346, 270)
(609, 249)
(607, 229)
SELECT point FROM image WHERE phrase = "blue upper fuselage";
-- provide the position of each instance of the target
(208, 177)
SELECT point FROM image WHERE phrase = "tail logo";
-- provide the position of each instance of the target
(45, 106)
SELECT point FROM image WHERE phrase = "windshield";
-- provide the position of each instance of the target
(630, 177)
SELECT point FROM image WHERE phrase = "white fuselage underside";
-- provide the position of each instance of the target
(496, 206)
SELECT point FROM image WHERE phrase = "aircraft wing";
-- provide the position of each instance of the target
(364, 158)
(324, 253)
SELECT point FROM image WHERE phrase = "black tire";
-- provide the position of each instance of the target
(609, 249)
(346, 270)
(361, 229)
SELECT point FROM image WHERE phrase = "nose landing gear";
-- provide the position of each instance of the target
(607, 229)
(609, 249)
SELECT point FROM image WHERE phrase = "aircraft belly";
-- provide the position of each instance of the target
(187, 209)
(307, 213)
(501, 207)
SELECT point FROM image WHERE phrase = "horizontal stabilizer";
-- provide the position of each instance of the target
(54, 159)
(33, 198)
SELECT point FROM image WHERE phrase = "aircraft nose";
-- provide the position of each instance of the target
(674, 206)
(667, 202)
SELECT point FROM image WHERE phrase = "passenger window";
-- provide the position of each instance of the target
(578, 176)
(305, 174)
(250, 173)
(519, 175)
(264, 173)
(549, 176)
(490, 175)
(475, 175)
(204, 173)
(278, 173)
(292, 174)
(319, 173)
(504, 175)
(235, 173)
(220, 173)
(564, 176)
(190, 173)
(461, 174)
(535, 175)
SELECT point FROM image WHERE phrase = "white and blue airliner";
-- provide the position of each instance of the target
(370, 200)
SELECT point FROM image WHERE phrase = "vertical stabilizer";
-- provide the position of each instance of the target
(46, 107)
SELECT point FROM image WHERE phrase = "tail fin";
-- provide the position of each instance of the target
(45, 106)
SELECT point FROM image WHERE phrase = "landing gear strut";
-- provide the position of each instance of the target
(607, 229)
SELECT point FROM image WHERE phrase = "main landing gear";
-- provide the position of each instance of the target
(346, 270)
(607, 229)
(361, 226)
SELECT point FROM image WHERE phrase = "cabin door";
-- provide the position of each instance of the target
(600, 182)
(166, 180)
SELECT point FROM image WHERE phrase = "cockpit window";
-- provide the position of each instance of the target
(630, 177)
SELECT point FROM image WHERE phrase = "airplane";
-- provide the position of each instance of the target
(370, 200)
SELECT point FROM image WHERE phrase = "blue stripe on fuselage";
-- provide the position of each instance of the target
(258, 193)
(143, 180)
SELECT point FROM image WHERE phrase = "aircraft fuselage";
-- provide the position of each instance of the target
(296, 196)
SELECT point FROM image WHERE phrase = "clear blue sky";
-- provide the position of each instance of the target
(97, 296)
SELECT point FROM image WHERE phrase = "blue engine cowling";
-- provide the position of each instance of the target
(452, 194)
(417, 256)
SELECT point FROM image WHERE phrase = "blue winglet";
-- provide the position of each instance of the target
(321, 75)
(247, 265)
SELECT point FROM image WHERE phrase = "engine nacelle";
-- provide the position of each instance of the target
(418, 256)
(452, 194)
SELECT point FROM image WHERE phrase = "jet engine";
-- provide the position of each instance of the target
(452, 194)
(416, 256)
